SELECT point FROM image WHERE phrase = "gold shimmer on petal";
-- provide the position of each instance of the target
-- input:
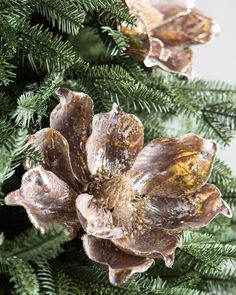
(55, 150)
(190, 211)
(173, 167)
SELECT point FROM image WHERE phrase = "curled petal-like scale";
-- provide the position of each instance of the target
(46, 199)
(115, 141)
(179, 60)
(193, 28)
(121, 265)
(55, 150)
(171, 167)
(192, 211)
(72, 117)
(152, 243)
(148, 49)
(95, 220)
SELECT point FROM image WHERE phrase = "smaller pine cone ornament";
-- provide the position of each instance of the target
(133, 202)
(164, 30)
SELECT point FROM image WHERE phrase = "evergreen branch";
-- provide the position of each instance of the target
(23, 277)
(16, 13)
(5, 106)
(115, 10)
(212, 91)
(44, 49)
(6, 70)
(25, 109)
(222, 120)
(222, 175)
(67, 15)
(107, 74)
(230, 196)
(12, 3)
(219, 282)
(187, 291)
(206, 249)
(94, 279)
(212, 103)
(203, 91)
(46, 280)
(11, 151)
(33, 246)
(223, 230)
(64, 285)
(30, 104)
(153, 126)
(119, 40)
(53, 282)
(1, 239)
(211, 128)
(115, 83)
(30, 246)
(8, 36)
(134, 69)
(190, 279)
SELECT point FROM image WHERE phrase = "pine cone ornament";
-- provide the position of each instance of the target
(164, 30)
(133, 202)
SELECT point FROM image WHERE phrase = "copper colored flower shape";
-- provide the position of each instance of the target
(164, 30)
(132, 201)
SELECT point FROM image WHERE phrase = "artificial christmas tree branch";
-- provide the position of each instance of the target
(79, 44)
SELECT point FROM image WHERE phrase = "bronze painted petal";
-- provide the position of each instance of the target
(150, 15)
(192, 211)
(115, 141)
(72, 117)
(171, 167)
(95, 220)
(55, 150)
(193, 28)
(179, 60)
(153, 52)
(46, 199)
(121, 265)
(152, 243)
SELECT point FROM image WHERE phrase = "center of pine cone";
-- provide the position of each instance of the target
(110, 190)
